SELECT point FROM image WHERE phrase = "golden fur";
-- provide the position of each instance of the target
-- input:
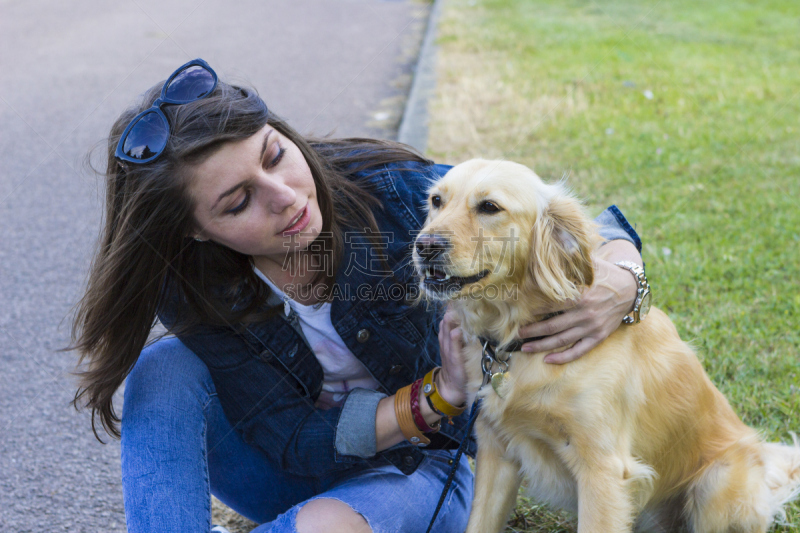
(633, 434)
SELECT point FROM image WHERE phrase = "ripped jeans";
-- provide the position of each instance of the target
(178, 449)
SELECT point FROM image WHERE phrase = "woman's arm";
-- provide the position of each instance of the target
(451, 382)
(586, 323)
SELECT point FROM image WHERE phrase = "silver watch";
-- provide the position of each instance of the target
(642, 304)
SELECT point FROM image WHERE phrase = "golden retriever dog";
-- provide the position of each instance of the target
(631, 435)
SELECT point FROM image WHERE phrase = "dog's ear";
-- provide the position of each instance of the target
(562, 240)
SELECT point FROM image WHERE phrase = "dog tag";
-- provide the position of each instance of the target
(498, 383)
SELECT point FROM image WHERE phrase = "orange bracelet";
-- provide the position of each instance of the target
(437, 403)
(405, 418)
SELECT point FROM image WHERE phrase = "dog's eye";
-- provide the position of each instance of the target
(436, 201)
(488, 207)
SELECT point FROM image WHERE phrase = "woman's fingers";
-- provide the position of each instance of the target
(457, 343)
(449, 334)
(452, 378)
(579, 349)
(549, 327)
(444, 339)
(445, 343)
(553, 342)
(451, 317)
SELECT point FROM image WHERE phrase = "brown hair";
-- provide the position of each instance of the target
(145, 248)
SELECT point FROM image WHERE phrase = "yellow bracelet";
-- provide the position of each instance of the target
(437, 403)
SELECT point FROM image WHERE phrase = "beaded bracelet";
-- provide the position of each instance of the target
(419, 420)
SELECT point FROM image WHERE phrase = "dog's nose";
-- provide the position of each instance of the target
(429, 246)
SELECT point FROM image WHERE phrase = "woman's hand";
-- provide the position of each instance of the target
(587, 322)
(452, 379)
(451, 382)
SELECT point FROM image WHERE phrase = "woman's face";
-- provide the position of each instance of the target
(257, 197)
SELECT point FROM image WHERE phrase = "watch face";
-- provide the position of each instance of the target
(644, 307)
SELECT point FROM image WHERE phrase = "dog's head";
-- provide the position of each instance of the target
(495, 230)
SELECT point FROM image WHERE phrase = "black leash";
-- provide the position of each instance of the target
(452, 474)
(489, 360)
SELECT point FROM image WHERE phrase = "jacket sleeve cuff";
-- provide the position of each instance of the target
(614, 225)
(355, 431)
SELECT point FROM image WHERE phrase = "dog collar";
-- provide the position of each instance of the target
(511, 347)
(490, 358)
(495, 366)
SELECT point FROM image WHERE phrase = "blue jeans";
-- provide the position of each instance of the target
(178, 449)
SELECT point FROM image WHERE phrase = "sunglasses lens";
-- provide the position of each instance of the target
(190, 84)
(147, 137)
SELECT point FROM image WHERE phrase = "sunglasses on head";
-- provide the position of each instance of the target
(146, 136)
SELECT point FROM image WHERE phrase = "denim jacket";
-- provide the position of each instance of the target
(267, 378)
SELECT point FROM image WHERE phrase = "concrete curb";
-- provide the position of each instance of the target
(414, 126)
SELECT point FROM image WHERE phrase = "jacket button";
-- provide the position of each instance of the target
(396, 369)
(408, 460)
(362, 336)
(265, 356)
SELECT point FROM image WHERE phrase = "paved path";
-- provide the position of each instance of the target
(68, 68)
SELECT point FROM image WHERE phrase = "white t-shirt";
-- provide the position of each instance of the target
(342, 371)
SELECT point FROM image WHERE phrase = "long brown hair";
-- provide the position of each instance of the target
(145, 252)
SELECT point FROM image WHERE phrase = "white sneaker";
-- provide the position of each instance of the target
(219, 529)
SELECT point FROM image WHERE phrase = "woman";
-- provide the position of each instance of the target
(281, 265)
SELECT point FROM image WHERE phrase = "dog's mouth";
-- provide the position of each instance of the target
(436, 279)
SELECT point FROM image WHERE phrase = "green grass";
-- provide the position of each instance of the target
(708, 169)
